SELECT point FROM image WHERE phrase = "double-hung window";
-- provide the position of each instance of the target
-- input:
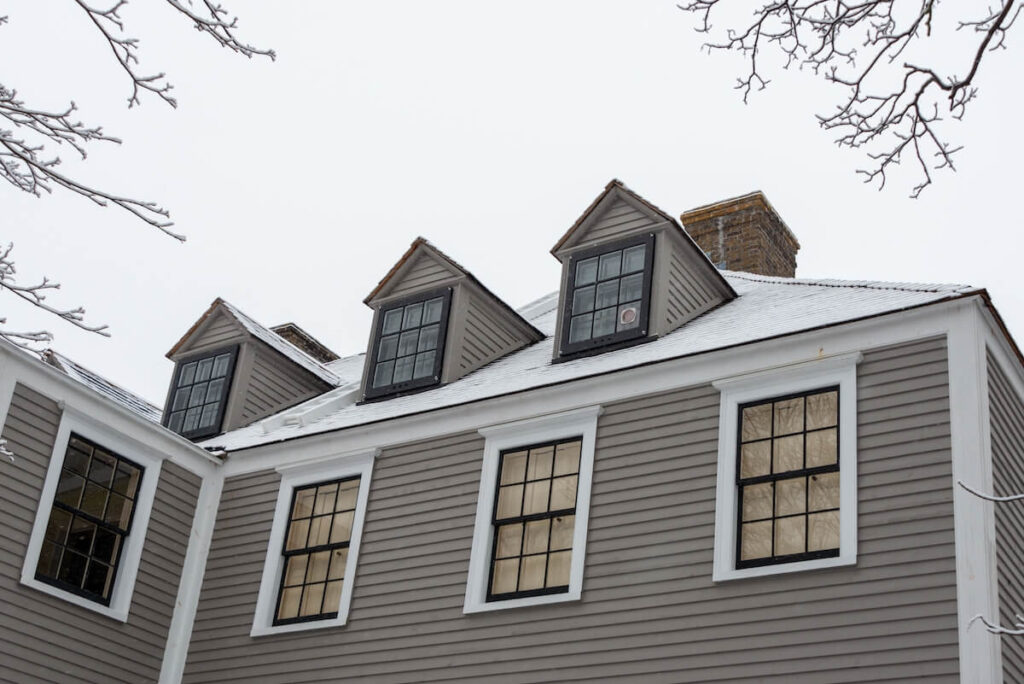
(408, 345)
(199, 394)
(608, 296)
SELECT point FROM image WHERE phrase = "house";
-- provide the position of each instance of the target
(684, 465)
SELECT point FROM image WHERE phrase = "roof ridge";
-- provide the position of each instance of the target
(864, 284)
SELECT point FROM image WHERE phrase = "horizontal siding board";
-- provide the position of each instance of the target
(648, 604)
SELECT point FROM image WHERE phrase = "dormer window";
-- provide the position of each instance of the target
(197, 402)
(608, 295)
(408, 346)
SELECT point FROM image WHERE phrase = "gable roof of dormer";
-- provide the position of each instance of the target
(248, 326)
(423, 267)
(629, 208)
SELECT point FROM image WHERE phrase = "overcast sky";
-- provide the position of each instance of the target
(485, 127)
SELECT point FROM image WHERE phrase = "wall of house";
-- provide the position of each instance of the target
(649, 610)
(619, 221)
(424, 274)
(1006, 416)
(45, 639)
(269, 383)
(687, 292)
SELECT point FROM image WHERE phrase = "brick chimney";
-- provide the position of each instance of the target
(744, 234)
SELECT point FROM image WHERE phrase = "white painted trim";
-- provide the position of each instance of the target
(131, 554)
(179, 634)
(7, 384)
(973, 518)
(292, 476)
(826, 372)
(896, 328)
(578, 423)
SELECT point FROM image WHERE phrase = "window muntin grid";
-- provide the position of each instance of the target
(608, 295)
(196, 406)
(409, 345)
(316, 551)
(788, 479)
(92, 513)
(534, 520)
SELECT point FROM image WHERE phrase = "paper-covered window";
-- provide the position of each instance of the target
(408, 347)
(608, 296)
(200, 393)
(90, 519)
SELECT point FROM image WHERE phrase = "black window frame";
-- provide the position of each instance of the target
(397, 389)
(617, 339)
(116, 566)
(179, 366)
(310, 550)
(740, 482)
(491, 597)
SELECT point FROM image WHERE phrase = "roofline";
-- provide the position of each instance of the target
(1001, 324)
(58, 358)
(206, 314)
(954, 296)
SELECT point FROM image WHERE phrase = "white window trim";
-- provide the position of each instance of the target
(577, 423)
(803, 377)
(131, 553)
(352, 464)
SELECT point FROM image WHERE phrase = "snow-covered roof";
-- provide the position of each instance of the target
(128, 400)
(766, 307)
(265, 334)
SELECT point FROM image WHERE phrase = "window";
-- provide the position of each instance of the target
(314, 545)
(408, 346)
(788, 479)
(787, 488)
(534, 520)
(316, 550)
(608, 296)
(529, 540)
(94, 508)
(195, 407)
(91, 516)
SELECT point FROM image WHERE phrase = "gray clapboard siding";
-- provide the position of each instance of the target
(1006, 416)
(222, 330)
(649, 611)
(686, 292)
(620, 220)
(46, 639)
(273, 384)
(424, 273)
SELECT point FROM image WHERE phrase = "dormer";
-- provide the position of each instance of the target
(433, 323)
(229, 371)
(630, 274)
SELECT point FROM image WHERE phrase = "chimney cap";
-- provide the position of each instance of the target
(734, 204)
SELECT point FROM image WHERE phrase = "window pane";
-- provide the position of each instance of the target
(562, 529)
(404, 368)
(319, 530)
(413, 316)
(388, 348)
(536, 500)
(531, 572)
(407, 343)
(586, 271)
(756, 540)
(332, 597)
(822, 410)
(347, 494)
(510, 540)
(180, 399)
(295, 570)
(220, 365)
(513, 467)
(215, 390)
(789, 536)
(72, 568)
(583, 300)
(563, 493)
(629, 316)
(341, 529)
(304, 503)
(540, 463)
(631, 287)
(49, 560)
(325, 496)
(77, 459)
(106, 545)
(382, 374)
(432, 310)
(81, 535)
(312, 598)
(126, 481)
(101, 470)
(757, 501)
(559, 565)
(318, 564)
(289, 603)
(536, 539)
(174, 424)
(69, 489)
(755, 459)
(118, 509)
(188, 374)
(823, 491)
(338, 560)
(209, 417)
(757, 422)
(579, 328)
(428, 338)
(510, 501)
(198, 395)
(97, 578)
(297, 534)
(790, 496)
(610, 265)
(633, 259)
(789, 453)
(94, 500)
(424, 365)
(604, 322)
(205, 370)
(789, 416)
(823, 531)
(607, 294)
(567, 458)
(392, 321)
(822, 448)
(506, 575)
(58, 525)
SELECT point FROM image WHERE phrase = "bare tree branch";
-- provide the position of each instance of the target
(894, 105)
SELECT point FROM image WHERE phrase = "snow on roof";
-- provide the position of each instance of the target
(265, 334)
(766, 307)
(128, 400)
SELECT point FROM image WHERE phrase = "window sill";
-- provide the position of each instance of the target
(267, 630)
(524, 602)
(725, 575)
(121, 615)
